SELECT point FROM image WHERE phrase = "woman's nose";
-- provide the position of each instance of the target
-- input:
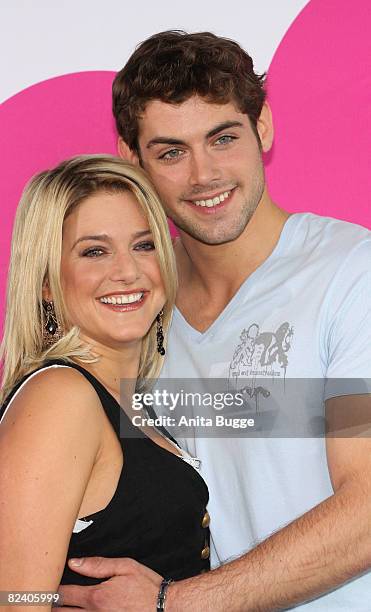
(125, 268)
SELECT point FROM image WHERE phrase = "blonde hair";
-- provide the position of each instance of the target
(36, 257)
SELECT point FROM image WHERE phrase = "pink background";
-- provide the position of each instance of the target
(318, 84)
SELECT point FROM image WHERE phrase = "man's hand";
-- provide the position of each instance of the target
(131, 586)
(327, 546)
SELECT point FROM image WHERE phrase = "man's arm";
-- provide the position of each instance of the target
(315, 553)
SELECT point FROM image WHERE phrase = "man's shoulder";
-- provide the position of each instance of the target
(331, 239)
(333, 228)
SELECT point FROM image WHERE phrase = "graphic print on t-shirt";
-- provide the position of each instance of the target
(262, 353)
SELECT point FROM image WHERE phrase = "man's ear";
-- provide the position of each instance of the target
(126, 153)
(265, 128)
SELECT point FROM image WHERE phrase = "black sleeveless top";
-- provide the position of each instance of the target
(157, 514)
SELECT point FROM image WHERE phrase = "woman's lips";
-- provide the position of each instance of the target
(126, 307)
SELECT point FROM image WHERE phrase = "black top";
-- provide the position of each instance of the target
(156, 513)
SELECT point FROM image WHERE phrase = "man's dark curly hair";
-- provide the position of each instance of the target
(172, 66)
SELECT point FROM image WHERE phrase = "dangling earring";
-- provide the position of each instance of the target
(160, 334)
(51, 328)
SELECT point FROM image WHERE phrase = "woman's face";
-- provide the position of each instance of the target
(110, 275)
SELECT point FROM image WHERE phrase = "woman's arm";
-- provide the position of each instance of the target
(49, 440)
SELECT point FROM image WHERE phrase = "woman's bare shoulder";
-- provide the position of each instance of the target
(54, 392)
(50, 439)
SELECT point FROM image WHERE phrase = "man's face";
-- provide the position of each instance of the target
(205, 161)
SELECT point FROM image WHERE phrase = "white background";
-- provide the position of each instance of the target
(41, 39)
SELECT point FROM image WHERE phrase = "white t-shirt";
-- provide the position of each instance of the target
(304, 315)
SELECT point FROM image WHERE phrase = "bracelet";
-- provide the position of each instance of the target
(162, 594)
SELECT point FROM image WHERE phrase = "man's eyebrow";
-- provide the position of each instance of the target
(106, 238)
(164, 140)
(223, 126)
(169, 140)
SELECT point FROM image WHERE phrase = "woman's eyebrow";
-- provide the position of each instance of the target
(142, 233)
(106, 238)
(102, 237)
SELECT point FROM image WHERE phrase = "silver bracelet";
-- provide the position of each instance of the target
(162, 594)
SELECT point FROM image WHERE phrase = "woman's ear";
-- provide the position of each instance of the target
(46, 293)
(126, 153)
(265, 128)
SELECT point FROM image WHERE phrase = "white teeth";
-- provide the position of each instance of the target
(122, 299)
(213, 201)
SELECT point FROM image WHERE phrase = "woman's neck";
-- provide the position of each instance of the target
(115, 365)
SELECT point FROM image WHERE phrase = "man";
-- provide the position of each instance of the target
(262, 294)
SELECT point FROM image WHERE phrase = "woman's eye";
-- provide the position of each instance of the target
(145, 246)
(93, 252)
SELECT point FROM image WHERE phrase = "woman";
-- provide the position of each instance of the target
(91, 287)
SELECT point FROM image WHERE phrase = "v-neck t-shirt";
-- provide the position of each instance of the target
(302, 320)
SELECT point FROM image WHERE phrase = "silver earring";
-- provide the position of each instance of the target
(51, 331)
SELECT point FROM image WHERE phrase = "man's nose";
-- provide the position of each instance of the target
(204, 168)
(125, 268)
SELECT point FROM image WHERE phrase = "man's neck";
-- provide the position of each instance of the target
(210, 275)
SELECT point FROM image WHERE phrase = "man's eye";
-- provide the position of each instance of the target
(93, 252)
(225, 139)
(172, 154)
(145, 246)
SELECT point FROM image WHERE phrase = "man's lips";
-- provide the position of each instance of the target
(211, 209)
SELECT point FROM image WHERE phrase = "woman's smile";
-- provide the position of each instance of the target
(126, 301)
(111, 278)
